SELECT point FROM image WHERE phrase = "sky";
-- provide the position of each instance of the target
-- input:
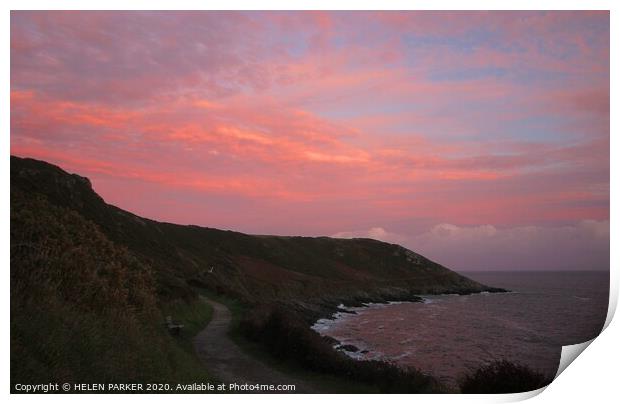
(478, 139)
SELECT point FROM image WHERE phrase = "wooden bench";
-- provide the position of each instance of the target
(173, 328)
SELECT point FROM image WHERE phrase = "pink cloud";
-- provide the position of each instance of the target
(310, 123)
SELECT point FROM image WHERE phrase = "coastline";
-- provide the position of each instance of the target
(327, 309)
(353, 351)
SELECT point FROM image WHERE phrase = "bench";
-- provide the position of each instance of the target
(173, 328)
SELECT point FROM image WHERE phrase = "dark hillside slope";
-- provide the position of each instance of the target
(84, 309)
(308, 272)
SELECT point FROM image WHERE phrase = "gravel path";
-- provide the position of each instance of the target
(228, 363)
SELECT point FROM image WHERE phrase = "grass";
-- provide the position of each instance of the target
(284, 334)
(85, 310)
(254, 268)
(91, 285)
(501, 377)
(323, 382)
(194, 316)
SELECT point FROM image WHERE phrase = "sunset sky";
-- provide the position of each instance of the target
(478, 139)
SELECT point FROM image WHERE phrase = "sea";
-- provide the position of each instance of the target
(450, 335)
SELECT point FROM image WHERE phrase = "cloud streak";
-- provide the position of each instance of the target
(310, 123)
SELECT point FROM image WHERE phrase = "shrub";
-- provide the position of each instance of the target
(83, 309)
(286, 336)
(503, 377)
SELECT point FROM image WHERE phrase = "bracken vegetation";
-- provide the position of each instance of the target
(82, 308)
(503, 377)
(92, 283)
(287, 337)
(313, 271)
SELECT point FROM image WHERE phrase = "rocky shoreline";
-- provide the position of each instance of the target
(349, 348)
(330, 308)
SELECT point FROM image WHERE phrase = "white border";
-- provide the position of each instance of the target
(593, 375)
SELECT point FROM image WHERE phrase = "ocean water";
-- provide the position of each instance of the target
(448, 335)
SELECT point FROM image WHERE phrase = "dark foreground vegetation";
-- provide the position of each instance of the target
(84, 310)
(91, 285)
(286, 336)
(503, 377)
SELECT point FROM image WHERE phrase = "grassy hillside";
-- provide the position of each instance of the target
(92, 283)
(84, 309)
(303, 270)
